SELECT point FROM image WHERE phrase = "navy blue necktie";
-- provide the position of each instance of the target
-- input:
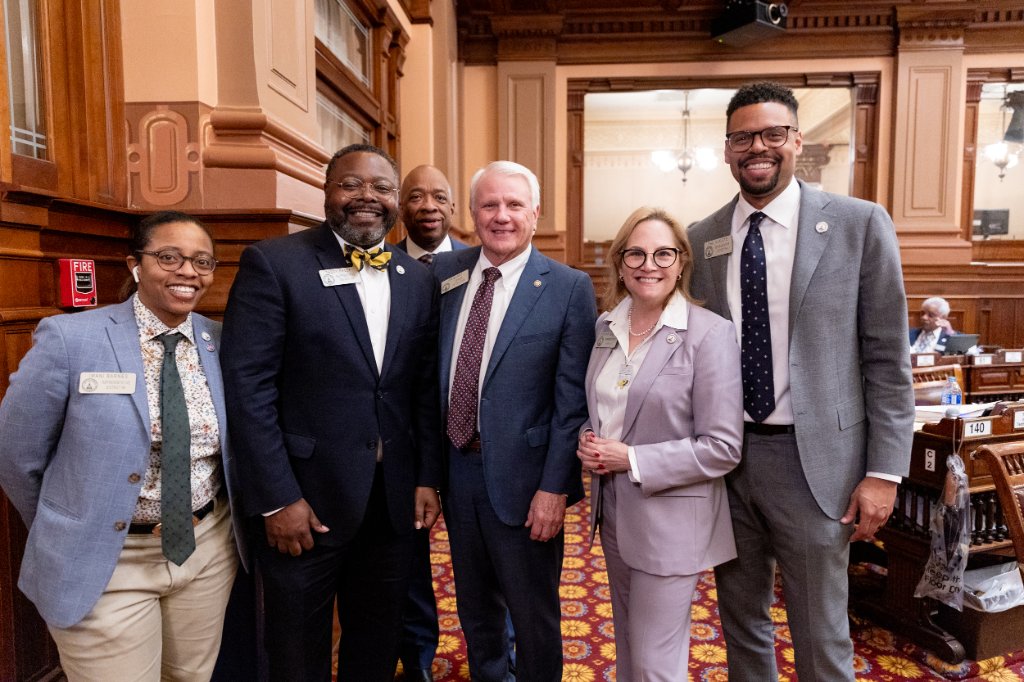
(758, 382)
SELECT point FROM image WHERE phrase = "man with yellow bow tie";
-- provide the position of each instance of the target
(332, 338)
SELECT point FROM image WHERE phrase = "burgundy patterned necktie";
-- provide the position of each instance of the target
(465, 393)
(426, 259)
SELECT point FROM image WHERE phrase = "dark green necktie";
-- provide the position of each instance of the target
(178, 541)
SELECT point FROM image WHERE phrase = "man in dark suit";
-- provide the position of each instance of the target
(332, 336)
(427, 208)
(813, 282)
(516, 333)
(935, 329)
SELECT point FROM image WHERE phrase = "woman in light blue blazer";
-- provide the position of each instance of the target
(665, 402)
(120, 468)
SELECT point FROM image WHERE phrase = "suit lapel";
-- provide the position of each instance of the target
(598, 358)
(330, 256)
(123, 333)
(719, 265)
(523, 299)
(207, 351)
(810, 245)
(398, 316)
(661, 350)
(451, 304)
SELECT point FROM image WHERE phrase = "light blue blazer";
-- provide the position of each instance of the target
(73, 463)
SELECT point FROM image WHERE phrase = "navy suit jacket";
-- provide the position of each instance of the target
(533, 400)
(72, 463)
(306, 401)
(456, 245)
(940, 345)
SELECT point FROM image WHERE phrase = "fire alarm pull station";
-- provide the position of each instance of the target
(77, 282)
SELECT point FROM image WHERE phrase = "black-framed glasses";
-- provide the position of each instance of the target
(772, 138)
(171, 261)
(663, 258)
(353, 188)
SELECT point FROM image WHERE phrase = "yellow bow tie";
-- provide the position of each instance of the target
(376, 258)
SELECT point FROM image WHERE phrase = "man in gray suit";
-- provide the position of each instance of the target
(813, 282)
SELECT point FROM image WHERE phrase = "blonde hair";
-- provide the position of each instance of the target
(616, 287)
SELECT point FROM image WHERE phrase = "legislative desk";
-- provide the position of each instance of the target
(906, 543)
(995, 376)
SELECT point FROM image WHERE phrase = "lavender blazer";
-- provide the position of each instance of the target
(684, 419)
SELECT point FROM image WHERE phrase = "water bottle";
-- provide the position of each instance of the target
(951, 394)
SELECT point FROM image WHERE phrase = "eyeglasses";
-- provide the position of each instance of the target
(635, 258)
(772, 138)
(352, 188)
(171, 261)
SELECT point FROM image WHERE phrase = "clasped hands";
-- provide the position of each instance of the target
(601, 455)
(290, 530)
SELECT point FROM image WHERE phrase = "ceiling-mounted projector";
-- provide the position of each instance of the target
(747, 22)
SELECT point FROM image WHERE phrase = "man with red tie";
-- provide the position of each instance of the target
(516, 333)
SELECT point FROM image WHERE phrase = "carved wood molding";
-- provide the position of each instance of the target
(606, 31)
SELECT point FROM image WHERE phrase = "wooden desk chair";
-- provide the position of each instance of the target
(930, 381)
(1005, 461)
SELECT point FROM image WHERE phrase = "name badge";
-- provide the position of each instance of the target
(454, 282)
(338, 276)
(122, 383)
(718, 247)
(606, 341)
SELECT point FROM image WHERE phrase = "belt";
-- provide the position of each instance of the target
(768, 429)
(154, 528)
(473, 445)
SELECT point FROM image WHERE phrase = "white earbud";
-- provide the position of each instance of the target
(135, 273)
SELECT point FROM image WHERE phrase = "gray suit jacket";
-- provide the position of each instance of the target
(72, 463)
(849, 369)
(684, 419)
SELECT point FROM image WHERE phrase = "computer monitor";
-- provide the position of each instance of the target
(960, 343)
(988, 222)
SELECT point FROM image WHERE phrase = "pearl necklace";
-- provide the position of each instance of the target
(629, 324)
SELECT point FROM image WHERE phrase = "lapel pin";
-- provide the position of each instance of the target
(206, 336)
(821, 228)
(399, 269)
(536, 283)
(209, 347)
(671, 338)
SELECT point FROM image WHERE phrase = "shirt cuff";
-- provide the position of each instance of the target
(634, 470)
(885, 477)
(271, 513)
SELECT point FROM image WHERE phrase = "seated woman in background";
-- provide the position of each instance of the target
(664, 393)
(112, 449)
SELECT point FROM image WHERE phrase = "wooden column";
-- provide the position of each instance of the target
(929, 134)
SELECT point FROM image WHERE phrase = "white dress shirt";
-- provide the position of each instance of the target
(613, 380)
(778, 230)
(504, 288)
(374, 289)
(415, 250)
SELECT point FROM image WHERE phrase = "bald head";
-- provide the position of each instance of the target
(427, 206)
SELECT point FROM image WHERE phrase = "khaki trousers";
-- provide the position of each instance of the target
(156, 620)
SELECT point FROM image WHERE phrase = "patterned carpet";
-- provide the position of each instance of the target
(588, 637)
